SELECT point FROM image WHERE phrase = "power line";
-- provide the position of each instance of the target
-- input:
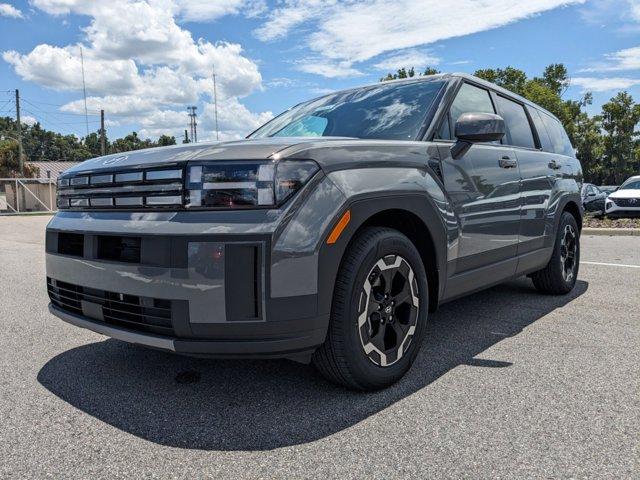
(5, 104)
(55, 112)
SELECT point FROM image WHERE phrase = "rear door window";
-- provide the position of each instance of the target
(559, 140)
(517, 123)
(545, 141)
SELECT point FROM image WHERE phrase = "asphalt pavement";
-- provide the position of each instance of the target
(509, 384)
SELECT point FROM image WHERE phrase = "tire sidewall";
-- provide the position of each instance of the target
(567, 219)
(363, 369)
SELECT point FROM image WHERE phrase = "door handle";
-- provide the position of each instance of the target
(507, 162)
(554, 165)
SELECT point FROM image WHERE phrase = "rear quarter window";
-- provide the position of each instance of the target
(545, 141)
(559, 139)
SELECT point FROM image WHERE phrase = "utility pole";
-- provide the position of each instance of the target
(19, 132)
(186, 137)
(84, 91)
(193, 124)
(190, 125)
(215, 102)
(103, 149)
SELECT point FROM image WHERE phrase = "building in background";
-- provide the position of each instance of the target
(33, 194)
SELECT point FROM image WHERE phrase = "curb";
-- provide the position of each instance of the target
(612, 232)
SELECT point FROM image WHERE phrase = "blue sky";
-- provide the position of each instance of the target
(145, 61)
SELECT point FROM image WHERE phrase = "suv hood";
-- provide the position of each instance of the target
(247, 149)
(626, 193)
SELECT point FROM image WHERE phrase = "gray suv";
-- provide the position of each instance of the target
(328, 235)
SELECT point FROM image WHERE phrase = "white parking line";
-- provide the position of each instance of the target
(611, 264)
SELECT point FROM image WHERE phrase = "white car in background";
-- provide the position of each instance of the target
(625, 202)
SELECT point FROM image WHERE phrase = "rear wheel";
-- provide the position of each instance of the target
(560, 274)
(379, 312)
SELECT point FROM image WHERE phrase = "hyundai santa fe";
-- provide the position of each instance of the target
(625, 201)
(329, 235)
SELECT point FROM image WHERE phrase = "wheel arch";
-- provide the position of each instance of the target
(414, 215)
(574, 209)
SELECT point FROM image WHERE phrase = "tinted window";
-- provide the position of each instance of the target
(305, 127)
(545, 141)
(559, 139)
(391, 111)
(471, 99)
(444, 132)
(630, 185)
(517, 123)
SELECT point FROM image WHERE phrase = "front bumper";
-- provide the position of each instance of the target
(221, 284)
(614, 210)
(296, 346)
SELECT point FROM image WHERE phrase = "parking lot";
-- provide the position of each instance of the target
(509, 384)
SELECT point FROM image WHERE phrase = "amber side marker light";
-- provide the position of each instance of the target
(339, 228)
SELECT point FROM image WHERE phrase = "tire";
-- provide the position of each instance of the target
(358, 352)
(558, 277)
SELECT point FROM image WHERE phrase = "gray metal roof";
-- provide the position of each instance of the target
(56, 168)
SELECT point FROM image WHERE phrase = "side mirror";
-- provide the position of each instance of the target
(474, 127)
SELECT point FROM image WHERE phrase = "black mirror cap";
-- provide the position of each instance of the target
(479, 127)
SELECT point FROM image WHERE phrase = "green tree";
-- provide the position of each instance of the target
(620, 118)
(166, 140)
(510, 78)
(408, 73)
(8, 158)
(130, 142)
(92, 143)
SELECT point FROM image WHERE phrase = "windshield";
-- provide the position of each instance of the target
(631, 185)
(387, 111)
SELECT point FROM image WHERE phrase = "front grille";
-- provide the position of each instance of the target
(155, 188)
(129, 311)
(626, 202)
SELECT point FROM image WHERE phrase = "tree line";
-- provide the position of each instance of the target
(40, 144)
(607, 144)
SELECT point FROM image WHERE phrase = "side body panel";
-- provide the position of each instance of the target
(486, 201)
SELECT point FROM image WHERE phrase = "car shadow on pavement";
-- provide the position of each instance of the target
(260, 405)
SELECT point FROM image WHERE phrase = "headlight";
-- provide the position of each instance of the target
(245, 184)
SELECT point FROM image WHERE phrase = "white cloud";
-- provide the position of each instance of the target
(330, 69)
(626, 59)
(59, 68)
(593, 84)
(141, 65)
(634, 9)
(291, 14)
(8, 10)
(346, 33)
(615, 15)
(408, 58)
(201, 10)
(28, 119)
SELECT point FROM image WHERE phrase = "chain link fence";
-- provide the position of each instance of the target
(24, 195)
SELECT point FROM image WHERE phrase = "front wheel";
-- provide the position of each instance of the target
(379, 312)
(560, 274)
